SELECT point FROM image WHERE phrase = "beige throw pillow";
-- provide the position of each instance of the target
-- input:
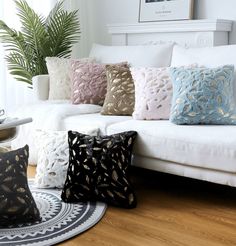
(120, 91)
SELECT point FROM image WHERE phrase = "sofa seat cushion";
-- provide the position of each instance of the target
(212, 147)
(92, 121)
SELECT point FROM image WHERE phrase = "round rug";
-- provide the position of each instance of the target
(60, 221)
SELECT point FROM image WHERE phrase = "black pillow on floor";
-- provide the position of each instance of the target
(98, 169)
(17, 205)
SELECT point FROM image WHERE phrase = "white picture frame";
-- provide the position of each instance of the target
(164, 10)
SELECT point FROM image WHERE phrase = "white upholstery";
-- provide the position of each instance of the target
(210, 175)
(92, 121)
(209, 57)
(212, 147)
(137, 55)
(41, 86)
(47, 115)
(201, 152)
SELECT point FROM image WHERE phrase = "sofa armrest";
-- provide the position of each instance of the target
(41, 86)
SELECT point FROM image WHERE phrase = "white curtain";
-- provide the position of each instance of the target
(14, 93)
(82, 48)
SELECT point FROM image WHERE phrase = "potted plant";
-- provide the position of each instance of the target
(40, 37)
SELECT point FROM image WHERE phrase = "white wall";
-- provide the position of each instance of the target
(221, 9)
(80, 49)
(103, 12)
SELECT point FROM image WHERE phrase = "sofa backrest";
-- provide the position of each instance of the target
(208, 56)
(161, 55)
(158, 55)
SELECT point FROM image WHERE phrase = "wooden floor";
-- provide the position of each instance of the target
(171, 210)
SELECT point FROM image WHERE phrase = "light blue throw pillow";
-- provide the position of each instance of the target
(203, 96)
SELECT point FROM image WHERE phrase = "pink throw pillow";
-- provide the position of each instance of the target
(89, 82)
(153, 93)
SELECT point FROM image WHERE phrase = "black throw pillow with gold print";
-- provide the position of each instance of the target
(98, 169)
(17, 205)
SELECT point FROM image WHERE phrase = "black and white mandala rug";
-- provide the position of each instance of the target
(60, 221)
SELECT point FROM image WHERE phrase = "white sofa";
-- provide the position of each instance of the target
(201, 152)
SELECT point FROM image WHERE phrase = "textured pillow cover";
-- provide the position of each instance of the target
(53, 157)
(153, 92)
(203, 96)
(17, 205)
(120, 91)
(89, 82)
(210, 57)
(98, 169)
(59, 73)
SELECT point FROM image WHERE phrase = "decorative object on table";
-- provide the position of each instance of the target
(8, 128)
(163, 10)
(2, 118)
(119, 99)
(60, 86)
(203, 96)
(98, 169)
(51, 36)
(89, 82)
(17, 205)
(60, 221)
(53, 157)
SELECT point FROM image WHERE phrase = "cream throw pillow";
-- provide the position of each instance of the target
(59, 72)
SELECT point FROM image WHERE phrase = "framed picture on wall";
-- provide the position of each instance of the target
(163, 10)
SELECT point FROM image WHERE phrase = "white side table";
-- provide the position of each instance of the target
(9, 129)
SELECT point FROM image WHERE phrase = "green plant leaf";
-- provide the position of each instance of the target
(63, 30)
(18, 67)
(39, 37)
(57, 8)
(14, 42)
(33, 26)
